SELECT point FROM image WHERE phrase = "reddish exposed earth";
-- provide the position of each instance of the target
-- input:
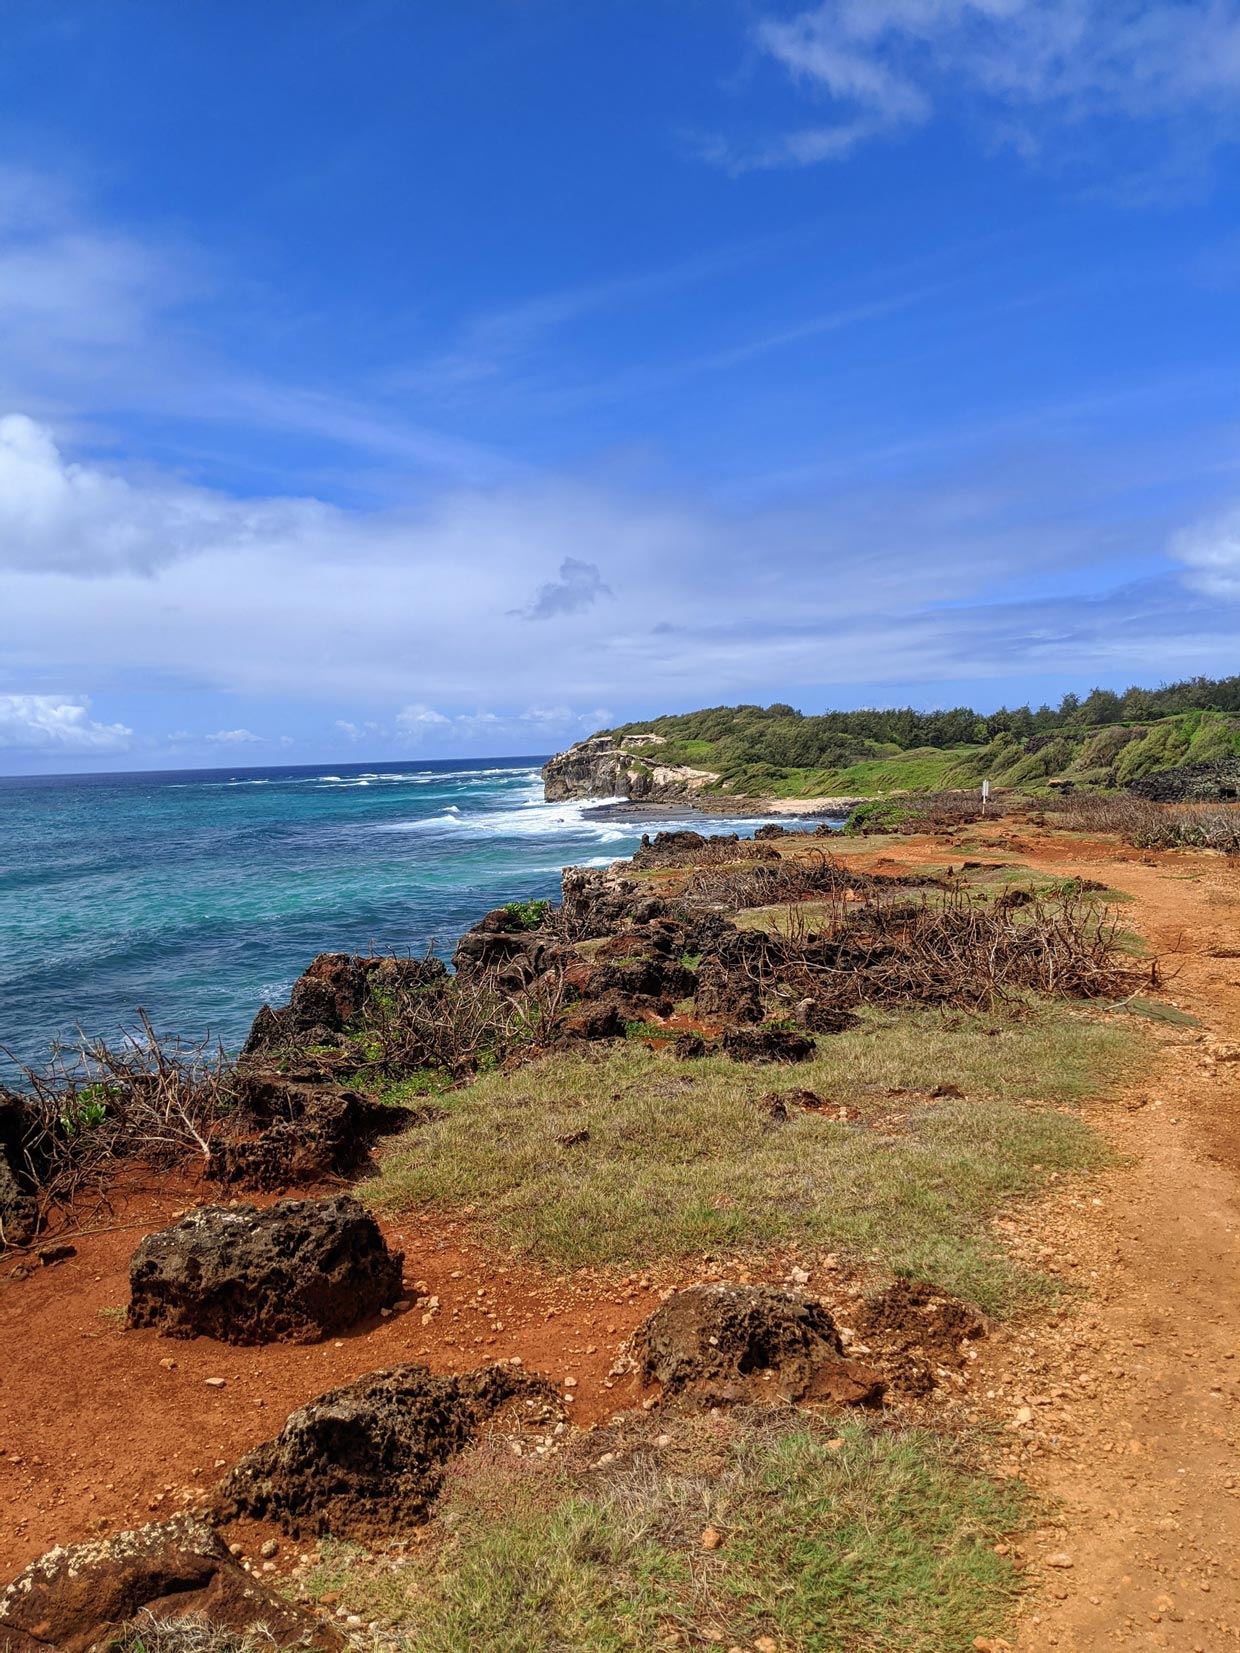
(1125, 1409)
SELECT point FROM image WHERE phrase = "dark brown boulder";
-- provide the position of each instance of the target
(78, 1597)
(724, 994)
(331, 996)
(766, 1044)
(689, 1047)
(367, 1460)
(727, 1343)
(668, 849)
(294, 1273)
(501, 947)
(286, 1133)
(816, 1017)
(595, 1019)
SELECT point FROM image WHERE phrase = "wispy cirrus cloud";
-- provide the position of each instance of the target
(1026, 69)
(97, 321)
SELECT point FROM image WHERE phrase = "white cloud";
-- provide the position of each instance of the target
(419, 717)
(50, 723)
(233, 737)
(56, 514)
(1210, 550)
(1025, 65)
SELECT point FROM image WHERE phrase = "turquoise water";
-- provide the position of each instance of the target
(199, 895)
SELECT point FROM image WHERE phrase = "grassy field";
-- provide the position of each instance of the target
(682, 1159)
(834, 1538)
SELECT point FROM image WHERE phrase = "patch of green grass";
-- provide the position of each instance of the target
(678, 1163)
(648, 1030)
(422, 1082)
(856, 1539)
(527, 915)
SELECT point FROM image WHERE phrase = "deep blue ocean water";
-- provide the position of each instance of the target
(198, 895)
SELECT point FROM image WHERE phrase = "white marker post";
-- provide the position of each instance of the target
(985, 795)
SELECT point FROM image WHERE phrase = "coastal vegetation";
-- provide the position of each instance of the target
(916, 1131)
(1101, 741)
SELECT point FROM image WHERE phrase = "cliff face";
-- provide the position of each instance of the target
(601, 768)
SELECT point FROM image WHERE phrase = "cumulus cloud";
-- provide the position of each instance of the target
(233, 737)
(418, 716)
(50, 723)
(59, 514)
(579, 587)
(1026, 65)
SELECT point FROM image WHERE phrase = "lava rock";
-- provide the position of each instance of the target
(331, 995)
(816, 1017)
(766, 1044)
(295, 1273)
(79, 1597)
(606, 1019)
(368, 1459)
(286, 1133)
(726, 1343)
(689, 1047)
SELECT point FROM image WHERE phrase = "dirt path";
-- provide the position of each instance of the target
(1126, 1412)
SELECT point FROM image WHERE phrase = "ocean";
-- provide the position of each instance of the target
(200, 895)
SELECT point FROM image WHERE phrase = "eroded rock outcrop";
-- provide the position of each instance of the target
(295, 1273)
(918, 1332)
(605, 767)
(330, 996)
(286, 1132)
(725, 1343)
(367, 1460)
(766, 1044)
(79, 1597)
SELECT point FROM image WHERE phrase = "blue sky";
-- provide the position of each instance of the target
(391, 379)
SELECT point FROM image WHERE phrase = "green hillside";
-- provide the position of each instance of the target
(1103, 742)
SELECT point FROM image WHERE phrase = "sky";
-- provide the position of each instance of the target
(393, 379)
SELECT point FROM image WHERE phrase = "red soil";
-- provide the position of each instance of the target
(97, 1434)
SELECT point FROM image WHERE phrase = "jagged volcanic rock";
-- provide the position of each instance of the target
(294, 1273)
